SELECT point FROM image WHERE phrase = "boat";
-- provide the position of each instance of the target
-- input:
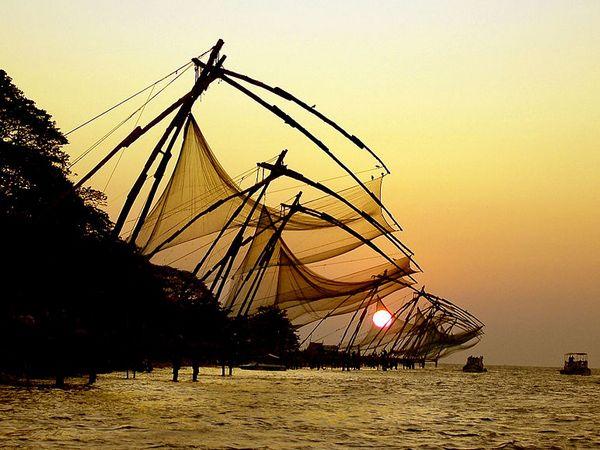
(263, 366)
(270, 362)
(576, 364)
(474, 365)
(192, 215)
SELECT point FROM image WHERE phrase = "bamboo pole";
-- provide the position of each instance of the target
(226, 262)
(265, 257)
(200, 85)
(294, 124)
(290, 97)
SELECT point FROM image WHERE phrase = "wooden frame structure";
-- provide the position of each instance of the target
(407, 344)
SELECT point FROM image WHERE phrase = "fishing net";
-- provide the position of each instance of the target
(199, 182)
(271, 275)
(203, 208)
(420, 329)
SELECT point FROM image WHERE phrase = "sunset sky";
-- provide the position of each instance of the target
(487, 114)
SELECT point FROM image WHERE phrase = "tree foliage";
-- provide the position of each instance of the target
(74, 295)
(267, 332)
(24, 124)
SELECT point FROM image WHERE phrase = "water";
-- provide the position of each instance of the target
(432, 408)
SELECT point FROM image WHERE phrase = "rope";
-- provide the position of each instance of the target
(103, 138)
(121, 153)
(323, 181)
(350, 260)
(97, 116)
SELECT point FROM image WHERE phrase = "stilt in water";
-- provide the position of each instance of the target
(176, 367)
(60, 379)
(176, 355)
(195, 370)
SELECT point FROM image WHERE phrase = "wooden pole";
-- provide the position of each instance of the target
(383, 331)
(264, 259)
(357, 329)
(225, 264)
(294, 124)
(298, 176)
(222, 232)
(166, 154)
(158, 175)
(200, 85)
(290, 97)
(135, 134)
(421, 336)
(353, 317)
(328, 315)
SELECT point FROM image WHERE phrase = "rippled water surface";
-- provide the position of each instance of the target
(431, 408)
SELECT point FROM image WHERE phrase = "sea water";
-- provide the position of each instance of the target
(508, 407)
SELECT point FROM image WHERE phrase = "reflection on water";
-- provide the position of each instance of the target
(506, 407)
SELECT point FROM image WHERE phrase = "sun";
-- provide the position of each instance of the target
(382, 318)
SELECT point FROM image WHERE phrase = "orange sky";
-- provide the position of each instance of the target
(486, 113)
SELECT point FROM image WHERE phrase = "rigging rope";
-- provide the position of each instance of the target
(323, 180)
(97, 116)
(121, 153)
(103, 138)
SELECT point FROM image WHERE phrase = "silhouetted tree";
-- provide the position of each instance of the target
(73, 295)
(269, 331)
(24, 124)
(194, 324)
(75, 298)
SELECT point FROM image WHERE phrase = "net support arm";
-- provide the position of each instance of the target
(294, 124)
(179, 118)
(290, 97)
(346, 228)
(298, 176)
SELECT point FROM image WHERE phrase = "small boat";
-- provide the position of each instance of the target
(576, 364)
(263, 366)
(269, 362)
(474, 365)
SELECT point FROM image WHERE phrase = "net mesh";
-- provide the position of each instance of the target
(420, 329)
(273, 269)
(306, 296)
(199, 181)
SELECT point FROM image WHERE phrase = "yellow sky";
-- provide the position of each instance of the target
(486, 113)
